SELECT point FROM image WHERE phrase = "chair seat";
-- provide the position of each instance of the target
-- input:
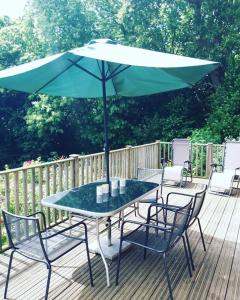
(173, 173)
(149, 200)
(222, 179)
(54, 246)
(157, 240)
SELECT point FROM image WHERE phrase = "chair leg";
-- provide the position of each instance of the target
(189, 251)
(167, 275)
(119, 260)
(48, 280)
(8, 274)
(146, 242)
(119, 219)
(200, 228)
(135, 209)
(186, 254)
(157, 219)
(89, 264)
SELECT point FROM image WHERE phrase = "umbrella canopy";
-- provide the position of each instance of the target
(104, 68)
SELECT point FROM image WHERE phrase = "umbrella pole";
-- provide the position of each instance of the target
(105, 115)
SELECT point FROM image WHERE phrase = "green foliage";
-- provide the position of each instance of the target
(36, 126)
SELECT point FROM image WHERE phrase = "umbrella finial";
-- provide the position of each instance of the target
(102, 41)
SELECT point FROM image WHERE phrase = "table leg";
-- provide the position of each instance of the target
(101, 252)
(109, 224)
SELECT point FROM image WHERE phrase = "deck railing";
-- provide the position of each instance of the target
(22, 189)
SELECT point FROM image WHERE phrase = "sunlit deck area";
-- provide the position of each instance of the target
(217, 273)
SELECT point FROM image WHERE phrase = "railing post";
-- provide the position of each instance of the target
(209, 158)
(128, 159)
(158, 154)
(75, 169)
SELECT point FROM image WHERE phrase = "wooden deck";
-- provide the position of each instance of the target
(217, 274)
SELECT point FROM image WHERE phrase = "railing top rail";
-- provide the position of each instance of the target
(144, 145)
(59, 161)
(92, 155)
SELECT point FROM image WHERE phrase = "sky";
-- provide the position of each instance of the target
(12, 8)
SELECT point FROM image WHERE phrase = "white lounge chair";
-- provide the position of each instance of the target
(181, 168)
(224, 175)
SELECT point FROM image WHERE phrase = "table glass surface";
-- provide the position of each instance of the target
(85, 198)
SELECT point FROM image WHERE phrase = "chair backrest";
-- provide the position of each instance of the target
(181, 151)
(146, 174)
(197, 203)
(178, 221)
(232, 155)
(24, 235)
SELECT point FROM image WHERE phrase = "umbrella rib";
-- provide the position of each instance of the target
(51, 80)
(114, 73)
(85, 70)
(113, 83)
(100, 70)
(115, 70)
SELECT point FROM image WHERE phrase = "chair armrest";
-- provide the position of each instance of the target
(164, 161)
(178, 194)
(169, 228)
(189, 164)
(66, 229)
(216, 165)
(43, 218)
(162, 206)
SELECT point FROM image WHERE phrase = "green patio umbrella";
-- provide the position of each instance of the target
(104, 68)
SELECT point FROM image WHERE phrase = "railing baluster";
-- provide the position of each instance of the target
(7, 191)
(95, 167)
(54, 188)
(16, 192)
(47, 191)
(33, 190)
(72, 173)
(82, 171)
(40, 189)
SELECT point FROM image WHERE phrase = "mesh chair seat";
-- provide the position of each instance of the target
(60, 244)
(54, 247)
(157, 239)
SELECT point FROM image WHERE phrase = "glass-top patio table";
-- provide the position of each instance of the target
(83, 200)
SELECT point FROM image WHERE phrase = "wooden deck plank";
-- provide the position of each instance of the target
(220, 279)
(207, 270)
(233, 288)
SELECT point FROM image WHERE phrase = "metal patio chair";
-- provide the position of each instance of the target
(46, 246)
(224, 175)
(181, 168)
(197, 198)
(157, 236)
